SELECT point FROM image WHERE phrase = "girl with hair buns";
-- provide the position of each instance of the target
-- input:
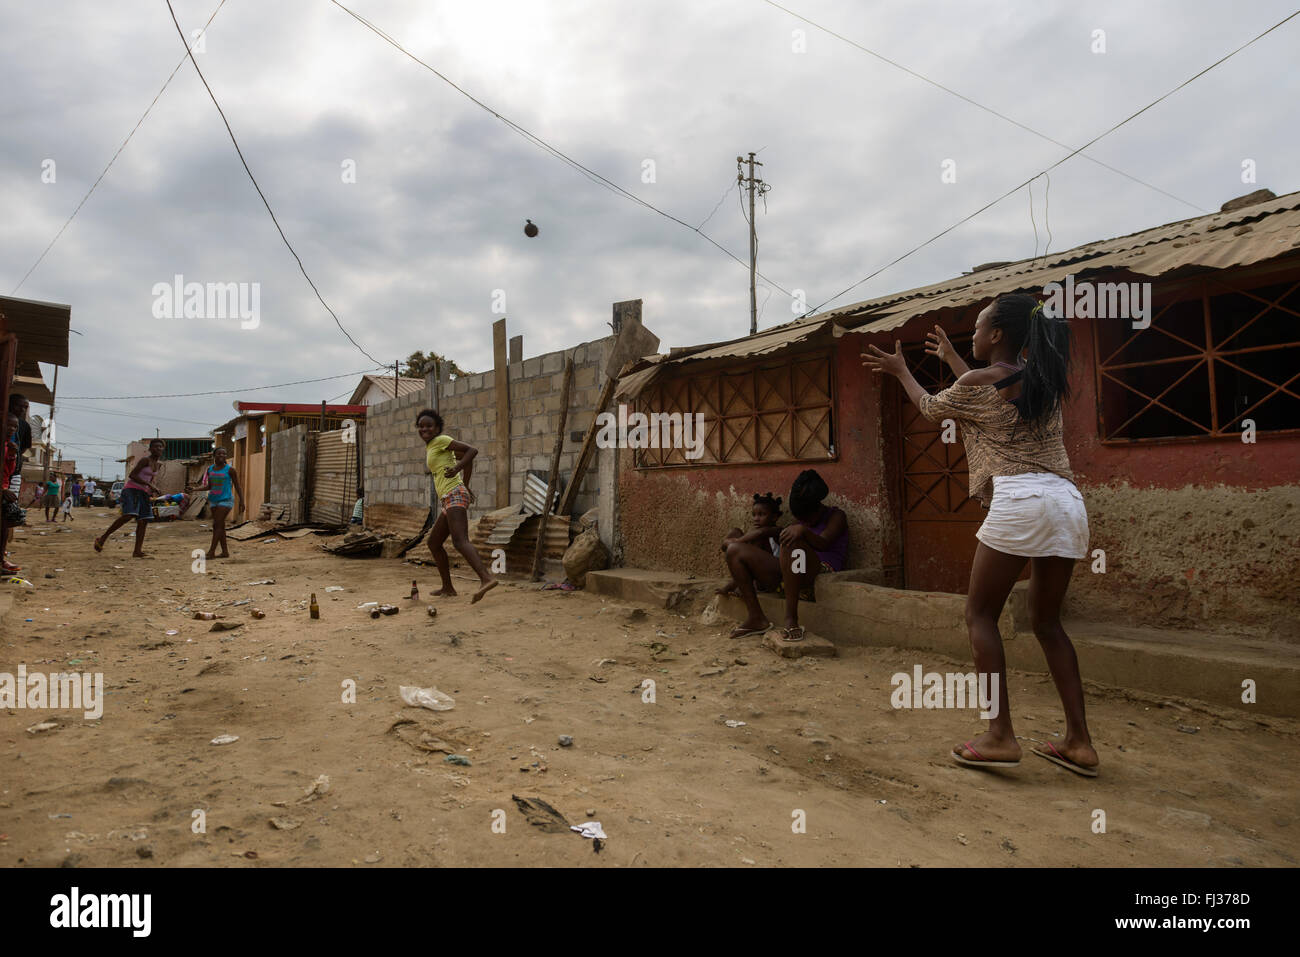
(1010, 418)
(752, 560)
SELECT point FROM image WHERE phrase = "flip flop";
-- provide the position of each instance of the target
(1056, 757)
(746, 633)
(478, 595)
(789, 634)
(983, 762)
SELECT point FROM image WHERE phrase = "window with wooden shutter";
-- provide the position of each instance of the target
(769, 411)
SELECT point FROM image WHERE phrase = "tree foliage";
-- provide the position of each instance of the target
(419, 364)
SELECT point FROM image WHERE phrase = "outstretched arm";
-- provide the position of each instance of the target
(894, 364)
(937, 345)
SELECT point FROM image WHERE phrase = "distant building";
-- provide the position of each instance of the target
(378, 388)
(247, 438)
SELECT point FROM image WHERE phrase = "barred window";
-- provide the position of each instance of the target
(1207, 363)
(769, 411)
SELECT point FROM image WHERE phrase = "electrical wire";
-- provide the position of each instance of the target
(138, 122)
(251, 388)
(545, 146)
(1127, 119)
(132, 415)
(975, 103)
(189, 53)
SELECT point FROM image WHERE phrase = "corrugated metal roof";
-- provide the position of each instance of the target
(405, 386)
(41, 328)
(1239, 237)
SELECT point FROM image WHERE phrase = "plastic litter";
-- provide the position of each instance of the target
(734, 724)
(457, 759)
(590, 829)
(430, 698)
(21, 582)
(335, 588)
(225, 739)
(265, 581)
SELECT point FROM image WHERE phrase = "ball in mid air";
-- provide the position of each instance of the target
(530, 230)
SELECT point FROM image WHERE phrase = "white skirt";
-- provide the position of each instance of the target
(1036, 515)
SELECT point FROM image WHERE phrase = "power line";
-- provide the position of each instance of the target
(265, 203)
(151, 105)
(547, 147)
(975, 103)
(252, 388)
(1063, 159)
(132, 415)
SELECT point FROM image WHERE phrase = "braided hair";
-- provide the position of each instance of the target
(773, 505)
(1046, 340)
(806, 494)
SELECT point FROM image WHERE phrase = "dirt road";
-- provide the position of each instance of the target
(671, 783)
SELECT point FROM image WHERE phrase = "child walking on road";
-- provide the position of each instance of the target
(136, 503)
(221, 482)
(447, 461)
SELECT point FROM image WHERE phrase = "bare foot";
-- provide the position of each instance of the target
(487, 587)
(988, 747)
(447, 592)
(99, 544)
(138, 555)
(728, 590)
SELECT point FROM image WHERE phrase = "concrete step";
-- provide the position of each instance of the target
(1208, 666)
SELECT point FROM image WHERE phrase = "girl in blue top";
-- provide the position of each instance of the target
(222, 485)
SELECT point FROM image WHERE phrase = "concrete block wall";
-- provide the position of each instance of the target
(289, 470)
(395, 472)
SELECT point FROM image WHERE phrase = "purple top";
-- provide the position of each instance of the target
(837, 554)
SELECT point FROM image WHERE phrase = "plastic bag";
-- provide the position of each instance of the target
(430, 698)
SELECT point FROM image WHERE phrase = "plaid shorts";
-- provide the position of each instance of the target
(458, 497)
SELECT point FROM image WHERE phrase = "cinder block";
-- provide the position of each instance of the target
(584, 377)
(552, 362)
(540, 386)
(539, 462)
(532, 367)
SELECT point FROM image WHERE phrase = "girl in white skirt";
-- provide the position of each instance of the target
(1010, 418)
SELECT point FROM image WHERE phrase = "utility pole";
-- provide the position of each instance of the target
(49, 428)
(754, 185)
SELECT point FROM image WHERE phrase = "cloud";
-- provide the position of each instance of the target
(412, 252)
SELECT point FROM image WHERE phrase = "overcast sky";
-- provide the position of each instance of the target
(411, 254)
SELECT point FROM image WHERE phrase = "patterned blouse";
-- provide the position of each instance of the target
(997, 441)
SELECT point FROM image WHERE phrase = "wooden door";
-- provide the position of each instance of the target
(939, 516)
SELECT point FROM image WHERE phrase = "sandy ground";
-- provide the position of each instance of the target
(669, 781)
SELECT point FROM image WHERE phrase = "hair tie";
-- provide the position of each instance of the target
(1038, 307)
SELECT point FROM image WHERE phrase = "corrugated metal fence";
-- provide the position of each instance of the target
(333, 470)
